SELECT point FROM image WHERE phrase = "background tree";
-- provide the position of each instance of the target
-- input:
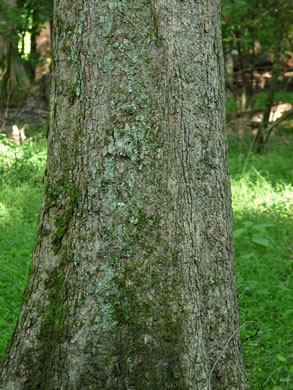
(40, 15)
(20, 67)
(279, 32)
(14, 82)
(132, 283)
(258, 49)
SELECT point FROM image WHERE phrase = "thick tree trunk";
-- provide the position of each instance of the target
(132, 284)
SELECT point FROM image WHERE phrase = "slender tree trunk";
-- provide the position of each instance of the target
(229, 74)
(9, 47)
(42, 67)
(261, 137)
(132, 284)
(34, 33)
(14, 80)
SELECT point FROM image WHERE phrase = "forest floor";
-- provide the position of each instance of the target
(32, 114)
(262, 189)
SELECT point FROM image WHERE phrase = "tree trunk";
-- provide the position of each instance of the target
(132, 284)
(42, 67)
(229, 74)
(262, 137)
(14, 82)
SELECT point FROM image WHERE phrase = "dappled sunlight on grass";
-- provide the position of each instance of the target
(4, 212)
(253, 192)
(21, 162)
(18, 217)
(21, 170)
(263, 233)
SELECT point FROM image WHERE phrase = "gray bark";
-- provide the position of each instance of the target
(132, 284)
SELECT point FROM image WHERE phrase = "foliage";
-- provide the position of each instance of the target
(257, 41)
(19, 18)
(246, 21)
(18, 22)
(261, 97)
(21, 163)
(232, 106)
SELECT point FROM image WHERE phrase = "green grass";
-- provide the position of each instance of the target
(21, 170)
(263, 232)
(263, 229)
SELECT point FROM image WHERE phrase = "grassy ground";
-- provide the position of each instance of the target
(263, 228)
(21, 170)
(263, 231)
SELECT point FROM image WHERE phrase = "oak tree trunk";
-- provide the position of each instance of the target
(132, 284)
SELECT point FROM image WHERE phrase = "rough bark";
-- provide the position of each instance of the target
(132, 284)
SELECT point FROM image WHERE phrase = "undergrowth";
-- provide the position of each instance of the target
(21, 171)
(263, 233)
(263, 229)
